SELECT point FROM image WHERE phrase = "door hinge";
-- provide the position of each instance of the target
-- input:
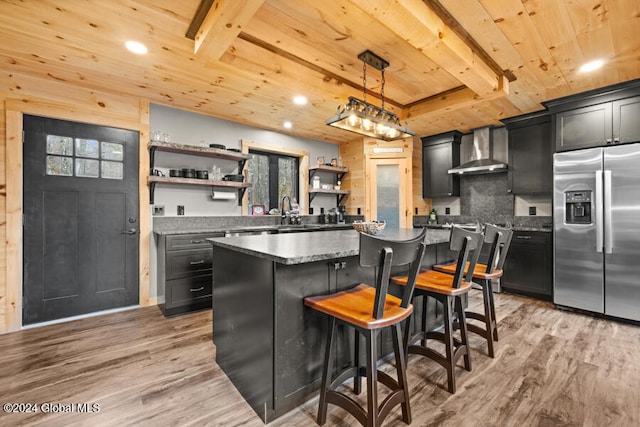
(23, 137)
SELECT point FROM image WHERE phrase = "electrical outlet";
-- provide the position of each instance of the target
(532, 210)
(447, 211)
(158, 210)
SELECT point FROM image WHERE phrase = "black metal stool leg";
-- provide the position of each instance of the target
(463, 333)
(488, 317)
(326, 373)
(448, 343)
(493, 316)
(401, 370)
(372, 380)
(357, 379)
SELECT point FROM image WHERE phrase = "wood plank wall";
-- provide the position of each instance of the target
(51, 98)
(354, 154)
(66, 100)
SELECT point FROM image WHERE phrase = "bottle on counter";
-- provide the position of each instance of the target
(433, 217)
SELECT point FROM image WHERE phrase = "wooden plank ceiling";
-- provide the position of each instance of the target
(453, 64)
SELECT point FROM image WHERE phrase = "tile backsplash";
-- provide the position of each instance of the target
(484, 198)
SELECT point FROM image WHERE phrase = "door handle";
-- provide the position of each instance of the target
(129, 231)
(608, 225)
(598, 212)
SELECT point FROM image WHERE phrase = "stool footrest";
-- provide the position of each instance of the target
(348, 404)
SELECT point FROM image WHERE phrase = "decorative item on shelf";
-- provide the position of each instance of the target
(188, 173)
(258, 210)
(233, 178)
(326, 186)
(369, 227)
(216, 174)
(334, 162)
(175, 173)
(367, 119)
(316, 183)
(219, 146)
(320, 160)
(337, 185)
(202, 174)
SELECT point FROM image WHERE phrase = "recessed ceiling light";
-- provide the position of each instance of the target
(300, 100)
(287, 125)
(590, 66)
(136, 47)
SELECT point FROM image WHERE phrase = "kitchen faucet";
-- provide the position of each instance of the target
(282, 211)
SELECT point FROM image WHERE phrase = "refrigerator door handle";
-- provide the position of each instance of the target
(608, 225)
(598, 212)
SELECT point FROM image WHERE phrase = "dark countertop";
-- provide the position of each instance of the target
(249, 228)
(299, 248)
(515, 227)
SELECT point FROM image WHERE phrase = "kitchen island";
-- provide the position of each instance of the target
(267, 342)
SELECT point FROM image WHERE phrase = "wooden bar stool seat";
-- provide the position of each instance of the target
(370, 309)
(448, 290)
(499, 239)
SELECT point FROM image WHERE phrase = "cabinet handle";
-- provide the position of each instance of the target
(339, 265)
(196, 290)
(197, 262)
(197, 241)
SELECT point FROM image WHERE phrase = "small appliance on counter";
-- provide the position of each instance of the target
(341, 212)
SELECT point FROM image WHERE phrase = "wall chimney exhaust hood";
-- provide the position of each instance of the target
(484, 151)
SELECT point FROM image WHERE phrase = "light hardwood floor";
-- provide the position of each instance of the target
(552, 368)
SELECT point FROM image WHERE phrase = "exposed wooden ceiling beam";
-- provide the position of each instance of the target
(220, 25)
(421, 27)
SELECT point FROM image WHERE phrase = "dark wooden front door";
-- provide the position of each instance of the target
(80, 226)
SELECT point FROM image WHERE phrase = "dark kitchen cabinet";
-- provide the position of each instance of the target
(528, 268)
(597, 118)
(184, 272)
(439, 154)
(530, 154)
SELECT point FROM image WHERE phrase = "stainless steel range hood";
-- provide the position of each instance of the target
(483, 151)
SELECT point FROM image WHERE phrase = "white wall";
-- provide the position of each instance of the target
(193, 129)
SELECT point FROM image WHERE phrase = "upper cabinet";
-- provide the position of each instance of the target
(597, 118)
(439, 154)
(530, 154)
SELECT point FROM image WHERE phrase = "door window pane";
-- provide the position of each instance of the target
(112, 170)
(61, 145)
(388, 192)
(112, 151)
(86, 168)
(61, 166)
(87, 148)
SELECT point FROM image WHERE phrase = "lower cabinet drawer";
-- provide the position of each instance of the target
(193, 291)
(188, 263)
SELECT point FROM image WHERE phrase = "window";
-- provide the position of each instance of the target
(61, 158)
(273, 176)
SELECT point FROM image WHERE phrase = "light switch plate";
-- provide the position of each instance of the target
(532, 210)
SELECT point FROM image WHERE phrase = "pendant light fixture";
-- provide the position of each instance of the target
(367, 119)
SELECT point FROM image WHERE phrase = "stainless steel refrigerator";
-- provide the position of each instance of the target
(596, 218)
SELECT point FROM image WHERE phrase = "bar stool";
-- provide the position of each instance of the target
(368, 310)
(448, 289)
(500, 240)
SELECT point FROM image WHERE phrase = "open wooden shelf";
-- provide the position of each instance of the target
(198, 151)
